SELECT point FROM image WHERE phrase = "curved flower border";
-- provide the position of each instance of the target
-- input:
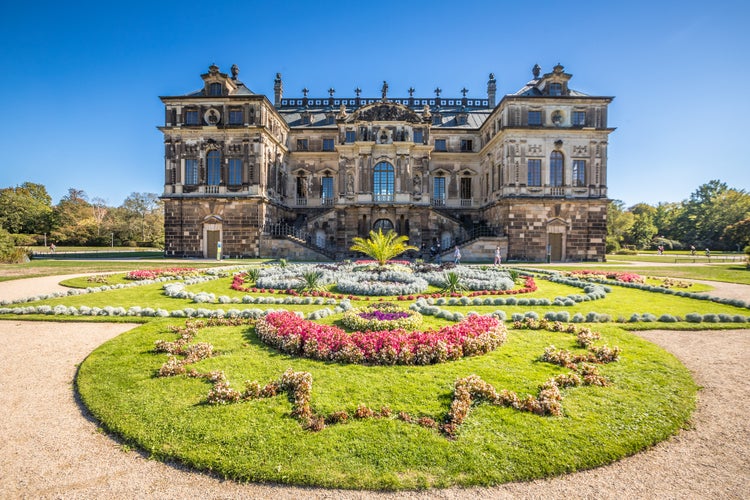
(294, 335)
(353, 319)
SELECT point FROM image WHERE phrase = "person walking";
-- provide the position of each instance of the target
(457, 256)
(498, 257)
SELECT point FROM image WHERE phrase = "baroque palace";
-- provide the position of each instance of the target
(300, 177)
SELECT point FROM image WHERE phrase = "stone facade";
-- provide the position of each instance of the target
(528, 173)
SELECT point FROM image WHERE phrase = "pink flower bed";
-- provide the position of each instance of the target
(150, 274)
(294, 335)
(611, 275)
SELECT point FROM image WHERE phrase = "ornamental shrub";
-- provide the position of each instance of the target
(693, 317)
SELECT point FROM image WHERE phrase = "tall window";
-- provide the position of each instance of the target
(579, 173)
(215, 89)
(535, 117)
(556, 169)
(191, 117)
(235, 117)
(535, 172)
(326, 190)
(555, 89)
(213, 168)
(465, 188)
(418, 136)
(383, 182)
(235, 172)
(440, 145)
(191, 171)
(301, 187)
(438, 191)
(351, 136)
(327, 144)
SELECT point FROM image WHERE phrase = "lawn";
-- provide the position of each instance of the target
(648, 397)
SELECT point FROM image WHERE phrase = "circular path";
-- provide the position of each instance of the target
(51, 448)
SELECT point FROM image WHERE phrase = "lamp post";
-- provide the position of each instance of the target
(113, 240)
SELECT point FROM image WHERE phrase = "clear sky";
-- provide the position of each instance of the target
(82, 79)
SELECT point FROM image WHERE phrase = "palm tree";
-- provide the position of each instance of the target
(382, 247)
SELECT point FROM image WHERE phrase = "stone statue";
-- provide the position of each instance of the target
(235, 71)
(417, 184)
(536, 70)
(349, 183)
(384, 89)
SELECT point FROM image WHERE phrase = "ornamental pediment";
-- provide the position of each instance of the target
(385, 112)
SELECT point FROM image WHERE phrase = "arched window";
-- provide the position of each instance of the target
(384, 225)
(215, 89)
(383, 182)
(556, 169)
(213, 168)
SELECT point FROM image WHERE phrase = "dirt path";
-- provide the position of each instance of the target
(51, 449)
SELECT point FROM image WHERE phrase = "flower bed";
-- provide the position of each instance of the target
(381, 316)
(152, 274)
(472, 278)
(610, 275)
(289, 333)
(384, 284)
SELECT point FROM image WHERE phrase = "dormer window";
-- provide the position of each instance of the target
(555, 89)
(215, 89)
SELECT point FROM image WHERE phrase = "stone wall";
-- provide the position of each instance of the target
(528, 223)
(480, 251)
(187, 220)
(282, 248)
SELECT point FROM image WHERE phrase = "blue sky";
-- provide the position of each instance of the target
(82, 79)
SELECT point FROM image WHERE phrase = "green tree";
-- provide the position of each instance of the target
(737, 235)
(25, 209)
(709, 210)
(618, 224)
(145, 209)
(382, 247)
(73, 219)
(642, 231)
(665, 215)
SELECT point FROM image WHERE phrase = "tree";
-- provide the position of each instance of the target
(147, 211)
(73, 219)
(642, 231)
(25, 209)
(382, 247)
(618, 223)
(708, 211)
(664, 219)
(737, 235)
(99, 211)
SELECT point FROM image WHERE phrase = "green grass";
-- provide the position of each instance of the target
(621, 302)
(651, 397)
(728, 273)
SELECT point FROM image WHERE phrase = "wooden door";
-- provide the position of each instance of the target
(212, 238)
(555, 243)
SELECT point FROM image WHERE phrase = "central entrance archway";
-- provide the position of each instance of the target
(384, 225)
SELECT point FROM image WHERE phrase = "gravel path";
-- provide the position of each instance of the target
(50, 448)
